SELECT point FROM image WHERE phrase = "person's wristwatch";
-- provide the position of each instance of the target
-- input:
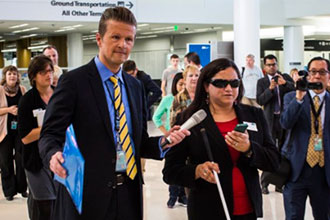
(248, 153)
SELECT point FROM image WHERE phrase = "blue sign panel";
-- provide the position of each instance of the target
(203, 51)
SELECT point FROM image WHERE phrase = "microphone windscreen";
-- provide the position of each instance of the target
(199, 116)
(195, 119)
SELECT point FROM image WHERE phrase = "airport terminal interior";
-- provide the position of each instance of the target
(155, 193)
(293, 30)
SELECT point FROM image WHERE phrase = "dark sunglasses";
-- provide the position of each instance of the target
(223, 83)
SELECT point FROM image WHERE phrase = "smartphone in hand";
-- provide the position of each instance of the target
(241, 128)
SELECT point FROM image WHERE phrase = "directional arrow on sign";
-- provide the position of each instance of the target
(130, 5)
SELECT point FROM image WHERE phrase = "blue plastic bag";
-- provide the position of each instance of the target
(74, 164)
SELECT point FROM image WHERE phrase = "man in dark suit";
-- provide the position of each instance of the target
(107, 109)
(306, 115)
(270, 92)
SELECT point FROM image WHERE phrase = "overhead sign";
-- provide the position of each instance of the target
(79, 8)
(60, 10)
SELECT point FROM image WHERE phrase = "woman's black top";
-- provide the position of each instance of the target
(26, 122)
(12, 119)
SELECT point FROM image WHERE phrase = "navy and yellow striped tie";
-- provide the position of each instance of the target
(125, 139)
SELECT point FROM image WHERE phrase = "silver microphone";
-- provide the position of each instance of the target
(195, 119)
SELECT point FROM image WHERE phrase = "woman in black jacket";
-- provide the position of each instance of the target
(237, 156)
(42, 188)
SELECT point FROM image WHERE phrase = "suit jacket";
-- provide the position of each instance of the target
(80, 100)
(152, 90)
(204, 201)
(297, 119)
(267, 97)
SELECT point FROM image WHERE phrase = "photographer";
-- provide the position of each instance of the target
(270, 92)
(307, 144)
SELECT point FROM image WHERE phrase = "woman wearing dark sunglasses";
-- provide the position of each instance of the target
(237, 155)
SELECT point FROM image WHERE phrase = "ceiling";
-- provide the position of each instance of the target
(14, 30)
(10, 31)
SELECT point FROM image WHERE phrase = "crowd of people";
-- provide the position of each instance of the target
(108, 102)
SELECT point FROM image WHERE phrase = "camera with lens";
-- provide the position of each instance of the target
(275, 78)
(303, 84)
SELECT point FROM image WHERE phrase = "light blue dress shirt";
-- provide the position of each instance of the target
(105, 75)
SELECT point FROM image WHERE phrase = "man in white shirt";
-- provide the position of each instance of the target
(250, 75)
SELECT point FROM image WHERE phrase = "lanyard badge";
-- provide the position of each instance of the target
(120, 154)
(318, 143)
(13, 125)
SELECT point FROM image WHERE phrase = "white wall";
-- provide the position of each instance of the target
(90, 51)
(184, 11)
(303, 8)
(152, 55)
(149, 44)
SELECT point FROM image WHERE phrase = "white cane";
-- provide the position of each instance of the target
(209, 153)
(224, 204)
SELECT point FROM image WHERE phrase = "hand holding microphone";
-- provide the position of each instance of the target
(178, 133)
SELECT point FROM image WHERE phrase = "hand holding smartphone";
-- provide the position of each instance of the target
(241, 127)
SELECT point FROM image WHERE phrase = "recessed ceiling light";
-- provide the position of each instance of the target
(9, 50)
(148, 36)
(38, 47)
(187, 32)
(149, 32)
(203, 29)
(162, 28)
(62, 30)
(30, 35)
(26, 30)
(156, 32)
(311, 38)
(18, 26)
(142, 25)
(66, 27)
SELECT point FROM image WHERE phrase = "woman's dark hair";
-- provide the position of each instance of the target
(38, 64)
(10, 68)
(176, 79)
(206, 75)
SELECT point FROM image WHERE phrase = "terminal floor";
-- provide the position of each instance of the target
(155, 198)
